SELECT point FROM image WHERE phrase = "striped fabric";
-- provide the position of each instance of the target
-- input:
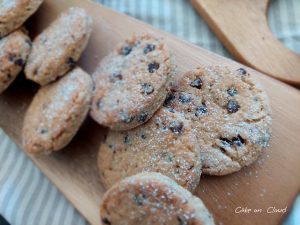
(28, 198)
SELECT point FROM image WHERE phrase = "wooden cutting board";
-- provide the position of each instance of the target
(273, 181)
(242, 26)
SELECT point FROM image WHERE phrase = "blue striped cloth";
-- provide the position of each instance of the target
(26, 195)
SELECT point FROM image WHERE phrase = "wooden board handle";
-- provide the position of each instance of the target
(242, 27)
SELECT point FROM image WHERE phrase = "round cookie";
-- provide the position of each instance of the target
(165, 144)
(57, 49)
(14, 50)
(230, 113)
(13, 13)
(131, 83)
(56, 113)
(152, 199)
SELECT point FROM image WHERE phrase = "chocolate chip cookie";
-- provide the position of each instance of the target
(230, 113)
(56, 113)
(13, 13)
(152, 199)
(165, 144)
(56, 50)
(131, 83)
(14, 50)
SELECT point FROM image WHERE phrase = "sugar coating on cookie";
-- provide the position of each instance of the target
(56, 113)
(14, 50)
(152, 199)
(131, 82)
(57, 49)
(230, 113)
(165, 144)
(13, 13)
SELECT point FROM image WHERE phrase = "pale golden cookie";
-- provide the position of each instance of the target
(13, 13)
(14, 50)
(131, 83)
(152, 199)
(57, 49)
(56, 113)
(165, 144)
(230, 113)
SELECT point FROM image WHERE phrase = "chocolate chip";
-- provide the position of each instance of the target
(142, 117)
(126, 50)
(12, 57)
(35, 71)
(231, 91)
(106, 221)
(110, 146)
(200, 110)
(29, 42)
(238, 141)
(126, 118)
(139, 199)
(126, 139)
(19, 62)
(176, 127)
(143, 136)
(152, 67)
(115, 77)
(232, 106)
(44, 131)
(98, 103)
(242, 71)
(226, 141)
(170, 97)
(71, 62)
(184, 98)
(197, 83)
(147, 89)
(149, 48)
(182, 220)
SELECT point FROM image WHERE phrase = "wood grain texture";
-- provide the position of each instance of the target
(273, 181)
(242, 27)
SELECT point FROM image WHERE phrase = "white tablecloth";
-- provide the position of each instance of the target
(26, 195)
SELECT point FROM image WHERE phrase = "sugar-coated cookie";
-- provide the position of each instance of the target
(152, 199)
(131, 82)
(165, 144)
(56, 113)
(230, 113)
(14, 50)
(57, 49)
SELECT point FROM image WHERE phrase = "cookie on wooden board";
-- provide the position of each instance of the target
(165, 144)
(229, 111)
(56, 113)
(13, 13)
(14, 50)
(131, 82)
(57, 49)
(152, 199)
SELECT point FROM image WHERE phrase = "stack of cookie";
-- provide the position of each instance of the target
(212, 120)
(163, 132)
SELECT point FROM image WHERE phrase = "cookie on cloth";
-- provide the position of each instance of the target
(152, 199)
(230, 113)
(165, 144)
(56, 113)
(131, 82)
(57, 49)
(14, 50)
(13, 13)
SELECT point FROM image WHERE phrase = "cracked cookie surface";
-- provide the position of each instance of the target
(14, 50)
(165, 144)
(150, 199)
(131, 83)
(230, 113)
(56, 113)
(57, 49)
